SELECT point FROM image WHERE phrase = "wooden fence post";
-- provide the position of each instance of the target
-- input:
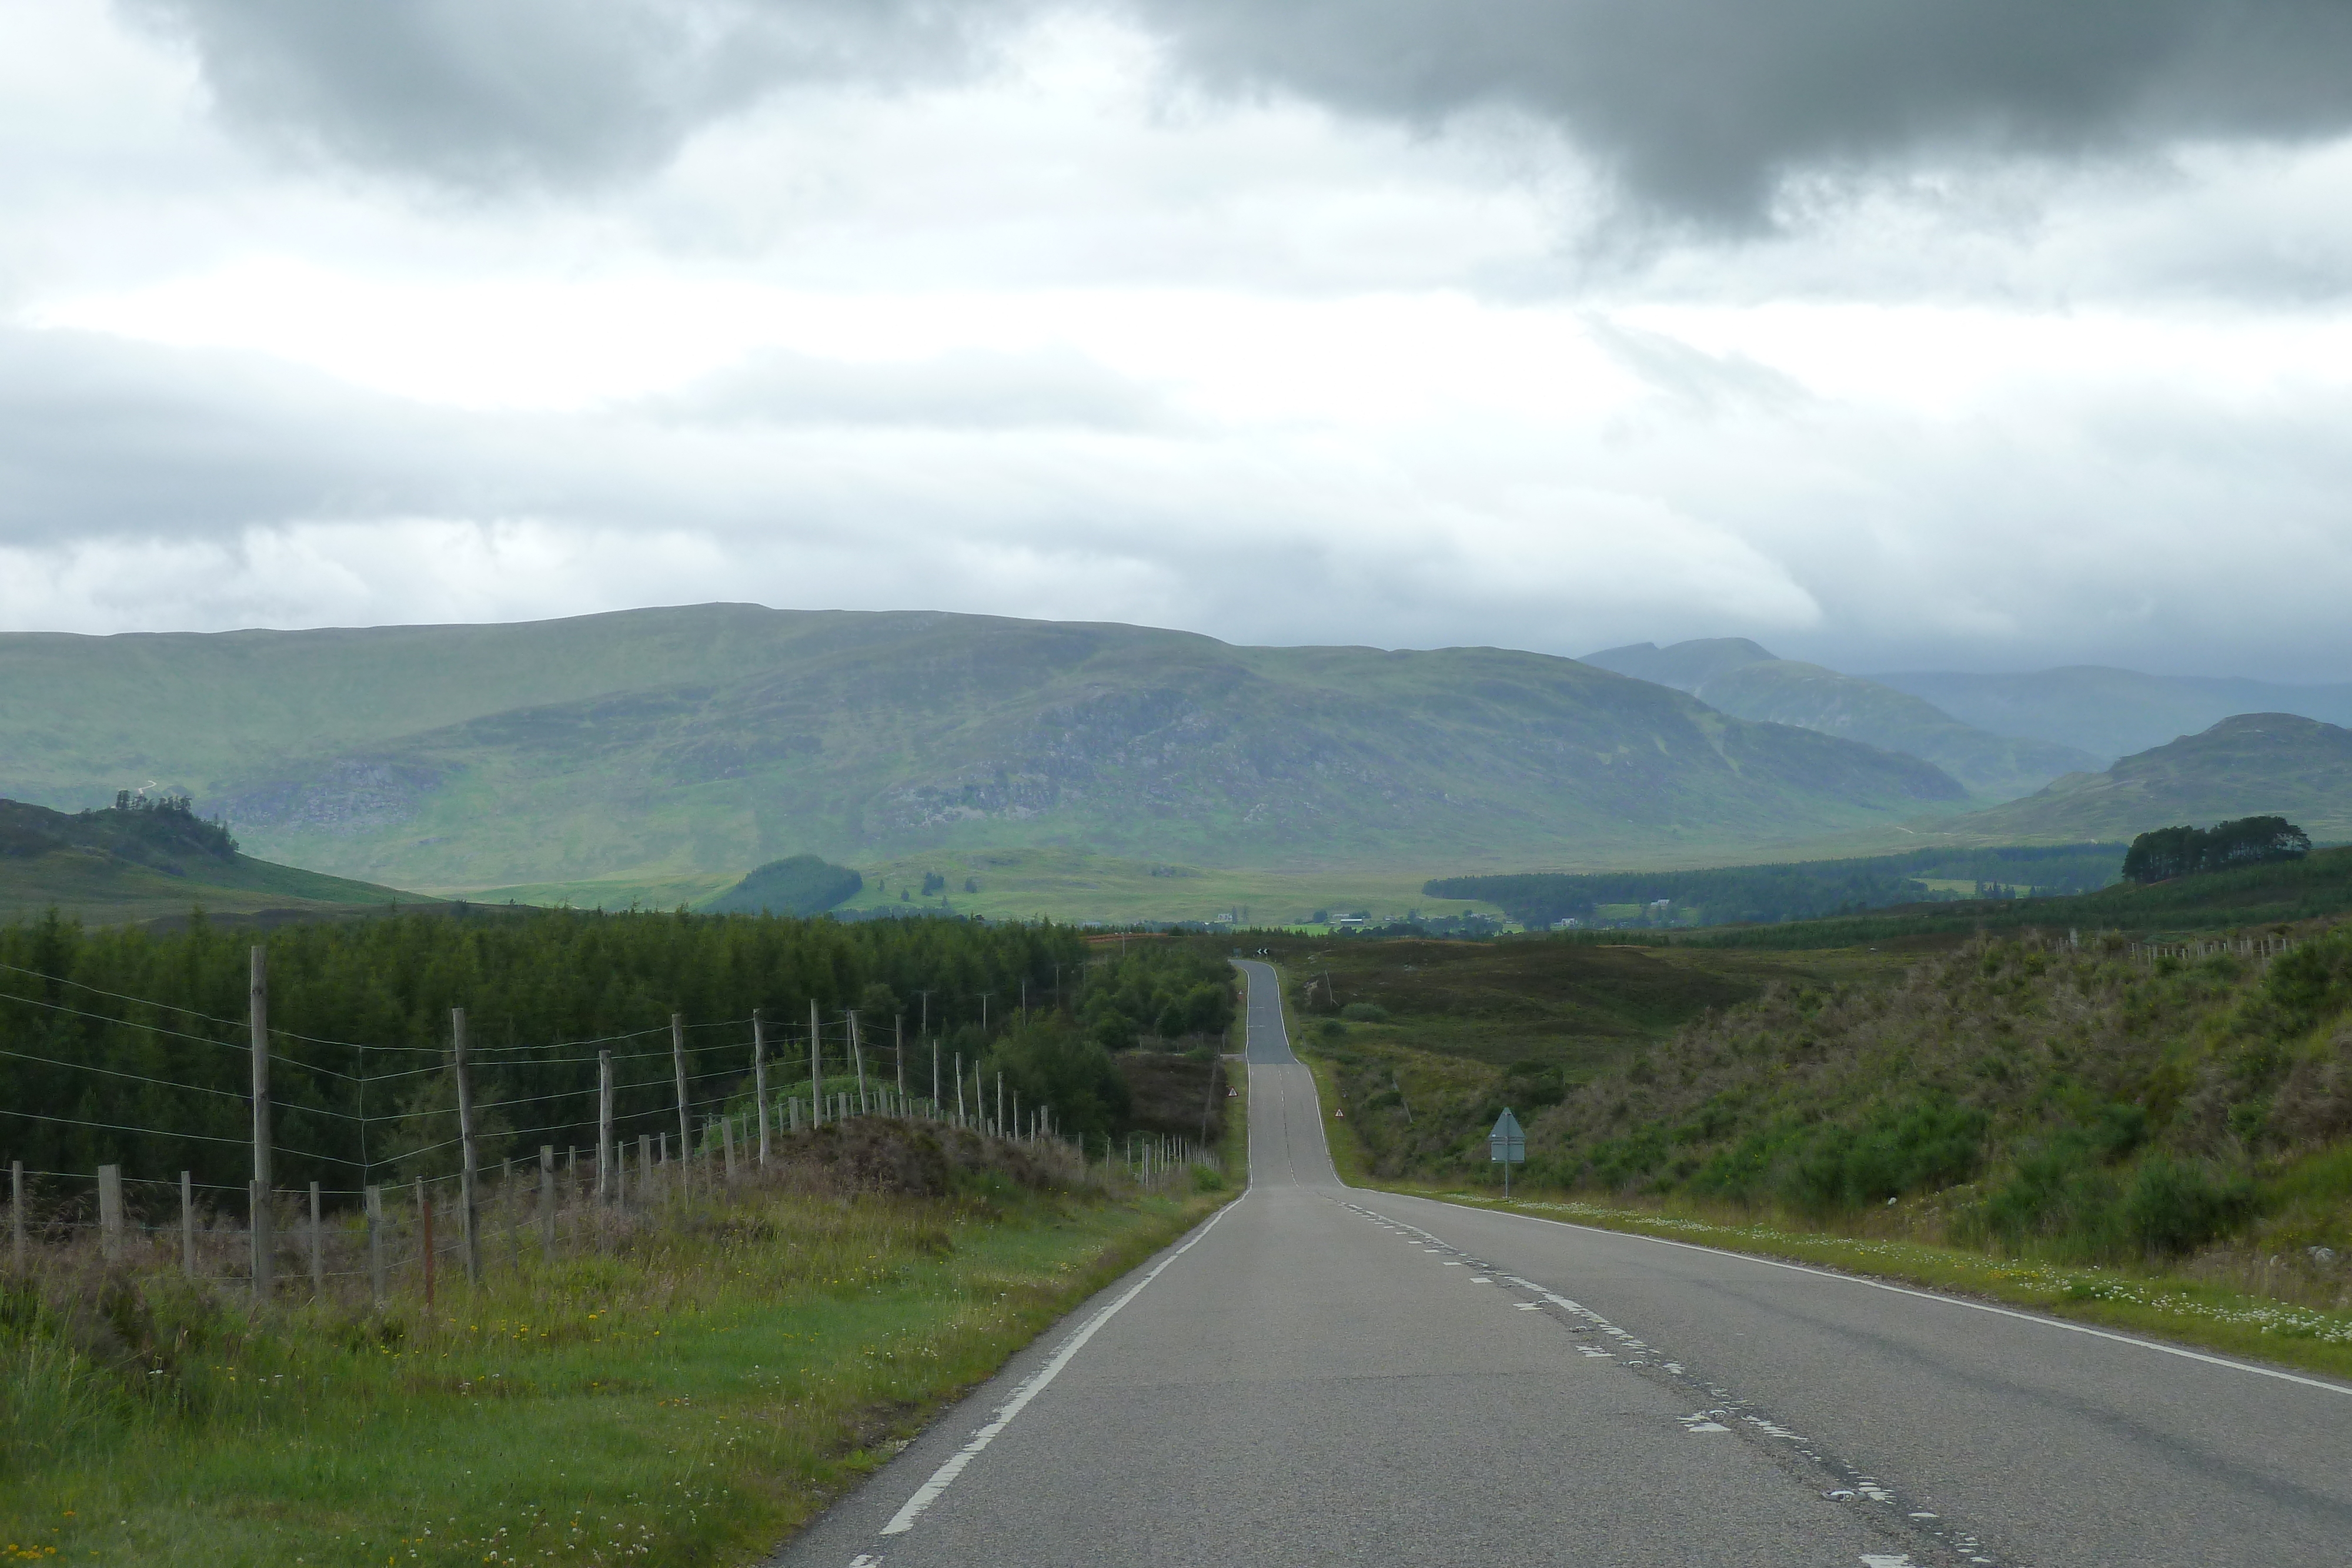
(16, 1217)
(258, 1011)
(318, 1247)
(817, 1070)
(547, 1198)
(685, 1134)
(188, 1224)
(375, 1246)
(759, 1081)
(607, 1184)
(644, 1170)
(470, 1229)
(898, 1057)
(727, 1132)
(858, 1059)
(110, 1212)
(424, 1227)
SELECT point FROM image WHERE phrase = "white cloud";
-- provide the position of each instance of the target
(1057, 332)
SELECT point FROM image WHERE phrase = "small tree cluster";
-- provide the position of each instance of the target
(2168, 852)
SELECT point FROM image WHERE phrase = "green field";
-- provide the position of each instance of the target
(1074, 886)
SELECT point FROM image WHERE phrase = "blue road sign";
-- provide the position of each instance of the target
(1508, 1143)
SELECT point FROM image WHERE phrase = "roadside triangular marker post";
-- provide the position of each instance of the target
(1507, 1145)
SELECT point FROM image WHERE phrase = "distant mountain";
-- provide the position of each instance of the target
(2249, 765)
(147, 859)
(709, 740)
(2113, 713)
(1745, 681)
(1685, 666)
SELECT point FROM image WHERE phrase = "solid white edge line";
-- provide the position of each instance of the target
(1909, 1291)
(1031, 1386)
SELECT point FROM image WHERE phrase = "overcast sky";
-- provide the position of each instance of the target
(1978, 334)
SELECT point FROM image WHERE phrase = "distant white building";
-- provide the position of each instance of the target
(1569, 924)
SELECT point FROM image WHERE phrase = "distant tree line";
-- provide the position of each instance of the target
(2168, 852)
(1801, 890)
(174, 816)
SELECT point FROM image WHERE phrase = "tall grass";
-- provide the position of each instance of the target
(681, 1392)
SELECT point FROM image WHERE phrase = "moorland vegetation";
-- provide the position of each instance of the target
(1790, 891)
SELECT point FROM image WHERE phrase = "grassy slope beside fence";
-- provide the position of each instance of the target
(683, 1392)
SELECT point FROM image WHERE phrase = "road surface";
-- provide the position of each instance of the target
(1322, 1375)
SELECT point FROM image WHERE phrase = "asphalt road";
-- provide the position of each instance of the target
(1326, 1376)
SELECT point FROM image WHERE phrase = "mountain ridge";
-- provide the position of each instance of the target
(1743, 678)
(149, 859)
(720, 737)
(2246, 765)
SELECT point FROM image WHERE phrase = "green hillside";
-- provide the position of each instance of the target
(1745, 681)
(2113, 713)
(2252, 765)
(798, 884)
(670, 744)
(138, 861)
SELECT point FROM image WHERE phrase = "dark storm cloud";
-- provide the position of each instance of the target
(492, 92)
(1699, 106)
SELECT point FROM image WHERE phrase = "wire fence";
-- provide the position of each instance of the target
(666, 1137)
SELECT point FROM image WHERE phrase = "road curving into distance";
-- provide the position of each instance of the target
(1323, 1375)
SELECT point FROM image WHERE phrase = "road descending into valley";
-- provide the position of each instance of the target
(1326, 1376)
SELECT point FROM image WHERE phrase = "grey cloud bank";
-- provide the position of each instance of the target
(1702, 106)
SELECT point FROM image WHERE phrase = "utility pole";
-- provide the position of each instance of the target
(257, 1006)
(470, 1228)
(760, 1080)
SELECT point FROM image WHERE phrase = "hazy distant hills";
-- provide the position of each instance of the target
(717, 738)
(1747, 681)
(115, 865)
(2113, 713)
(2249, 765)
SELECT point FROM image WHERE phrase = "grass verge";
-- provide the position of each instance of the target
(689, 1394)
(2190, 1312)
